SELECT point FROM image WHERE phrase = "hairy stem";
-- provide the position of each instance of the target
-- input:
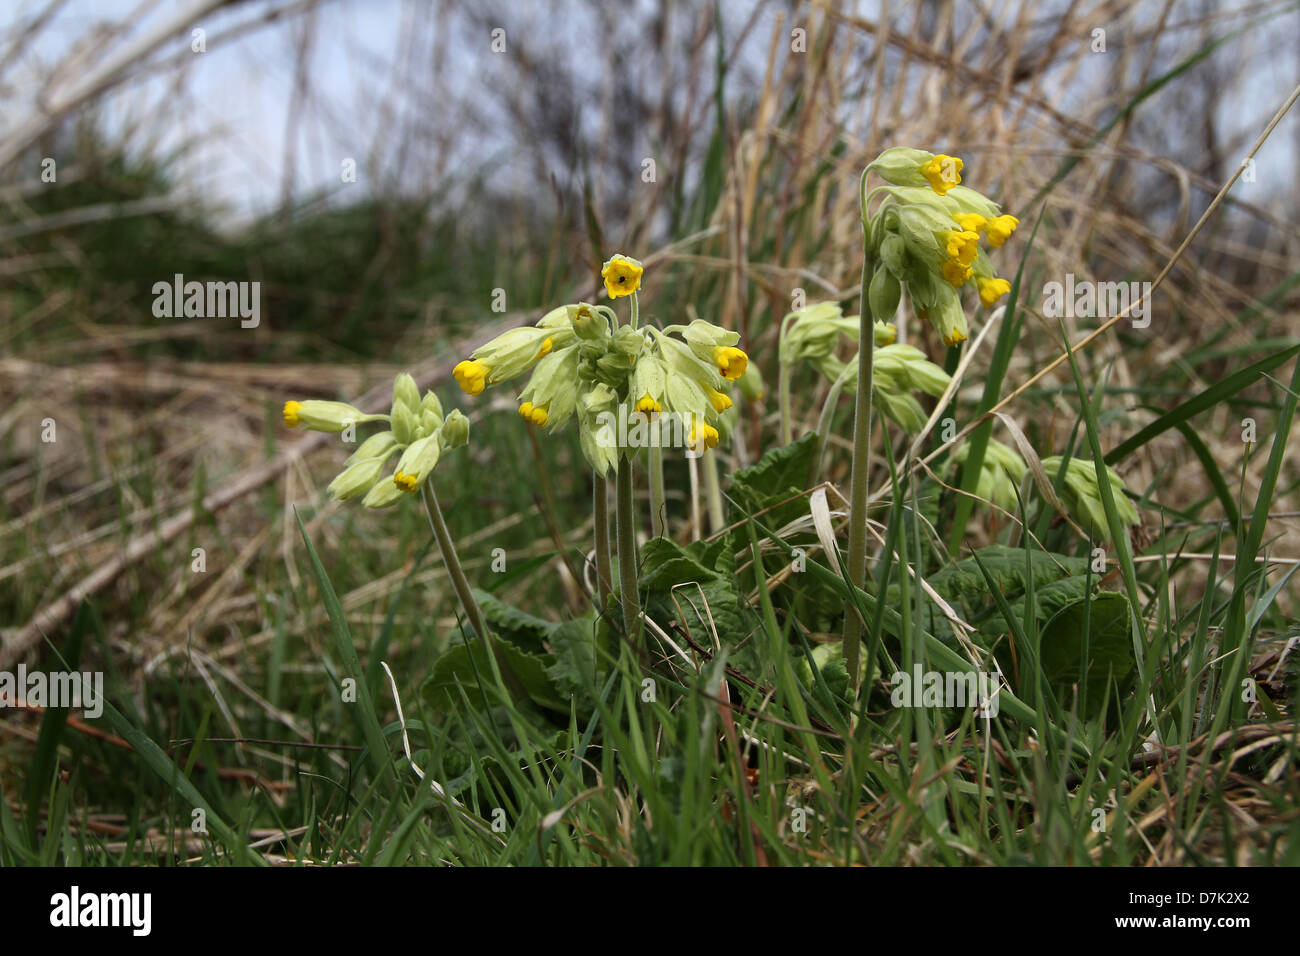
(625, 518)
(857, 557)
(783, 401)
(600, 512)
(713, 492)
(658, 506)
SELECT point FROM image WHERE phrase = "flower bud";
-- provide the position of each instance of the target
(332, 417)
(892, 252)
(405, 423)
(883, 294)
(380, 443)
(356, 479)
(405, 392)
(455, 430)
(431, 403)
(588, 324)
(417, 461)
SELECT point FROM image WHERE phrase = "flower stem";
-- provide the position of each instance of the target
(600, 511)
(713, 492)
(824, 424)
(625, 519)
(857, 557)
(783, 401)
(501, 670)
(658, 506)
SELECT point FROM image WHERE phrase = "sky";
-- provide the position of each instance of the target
(252, 141)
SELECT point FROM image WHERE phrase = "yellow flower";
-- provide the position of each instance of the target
(291, 416)
(721, 401)
(731, 361)
(647, 405)
(533, 413)
(992, 289)
(546, 348)
(1000, 229)
(955, 337)
(962, 246)
(472, 376)
(622, 276)
(970, 221)
(701, 431)
(956, 273)
(943, 172)
(405, 482)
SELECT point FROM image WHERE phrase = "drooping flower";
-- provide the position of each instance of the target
(1000, 230)
(417, 428)
(584, 363)
(992, 289)
(1081, 494)
(927, 240)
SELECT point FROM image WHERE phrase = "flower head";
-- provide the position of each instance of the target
(471, 376)
(622, 276)
(317, 416)
(943, 172)
(992, 289)
(731, 361)
(418, 429)
(1000, 230)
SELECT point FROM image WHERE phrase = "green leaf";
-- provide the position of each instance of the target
(780, 474)
(1007, 567)
(463, 664)
(715, 600)
(510, 624)
(573, 644)
(1105, 625)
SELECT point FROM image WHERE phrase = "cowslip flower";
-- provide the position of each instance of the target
(1000, 230)
(509, 355)
(584, 364)
(992, 289)
(318, 416)
(1082, 495)
(926, 236)
(418, 429)
(1000, 475)
(905, 166)
(622, 276)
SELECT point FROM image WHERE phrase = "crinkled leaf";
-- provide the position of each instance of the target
(1109, 642)
(466, 664)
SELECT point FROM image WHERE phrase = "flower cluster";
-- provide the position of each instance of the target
(926, 236)
(1000, 473)
(584, 364)
(898, 370)
(418, 429)
(1082, 496)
